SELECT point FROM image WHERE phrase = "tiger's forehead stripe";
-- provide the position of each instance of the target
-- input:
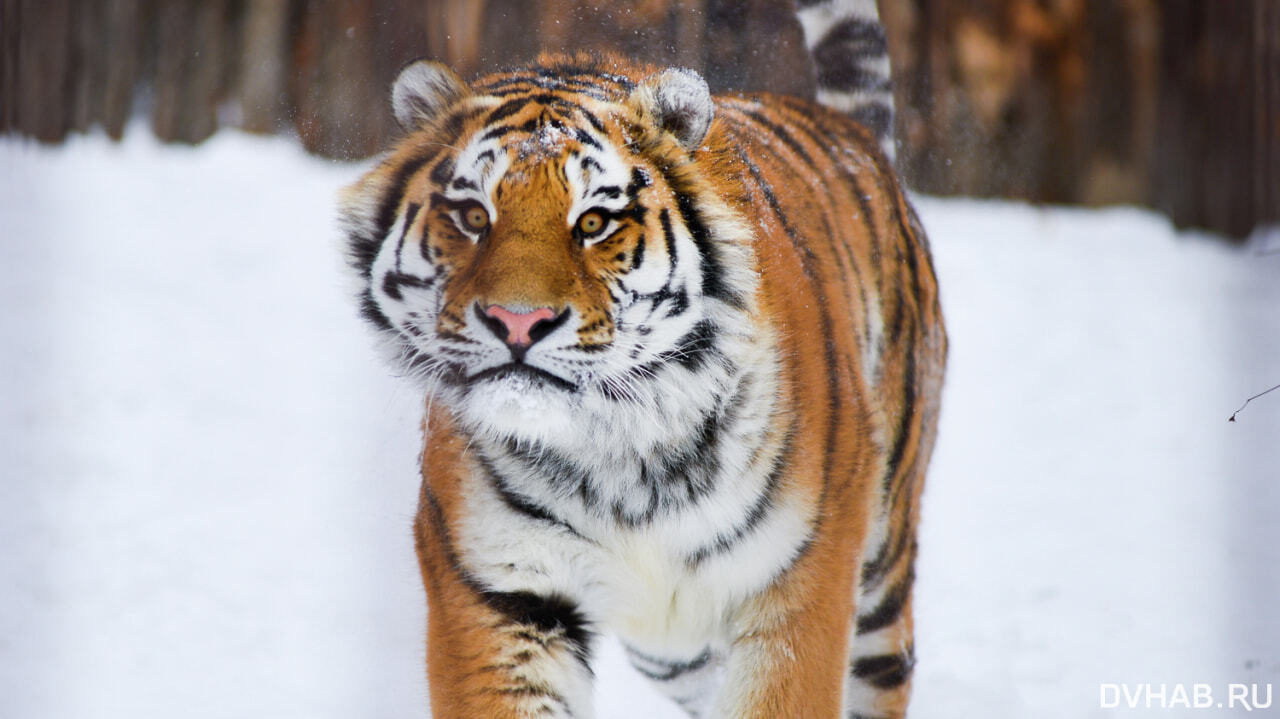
(580, 79)
(527, 86)
(561, 105)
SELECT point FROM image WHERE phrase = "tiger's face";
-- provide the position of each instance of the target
(542, 266)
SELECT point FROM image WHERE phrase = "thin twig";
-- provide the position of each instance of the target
(1232, 418)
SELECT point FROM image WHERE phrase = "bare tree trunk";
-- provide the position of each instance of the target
(1220, 66)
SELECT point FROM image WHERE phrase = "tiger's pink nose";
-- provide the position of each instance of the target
(519, 326)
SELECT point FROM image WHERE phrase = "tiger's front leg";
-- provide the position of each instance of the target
(788, 655)
(497, 655)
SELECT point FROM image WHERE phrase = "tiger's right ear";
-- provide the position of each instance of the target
(423, 90)
(680, 103)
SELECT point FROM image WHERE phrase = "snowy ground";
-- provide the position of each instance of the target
(208, 475)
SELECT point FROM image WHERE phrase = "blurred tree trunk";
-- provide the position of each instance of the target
(1169, 103)
(1223, 115)
(1051, 102)
(197, 48)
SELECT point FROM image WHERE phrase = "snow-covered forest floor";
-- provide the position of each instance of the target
(207, 475)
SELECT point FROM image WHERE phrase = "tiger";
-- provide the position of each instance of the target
(681, 359)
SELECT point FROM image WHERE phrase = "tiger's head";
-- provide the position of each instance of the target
(546, 251)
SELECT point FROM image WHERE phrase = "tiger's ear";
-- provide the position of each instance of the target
(423, 90)
(680, 103)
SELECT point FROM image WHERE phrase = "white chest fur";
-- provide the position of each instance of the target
(673, 584)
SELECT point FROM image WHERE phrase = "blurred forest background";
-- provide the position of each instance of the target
(1172, 104)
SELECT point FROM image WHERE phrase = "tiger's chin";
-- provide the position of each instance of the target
(518, 401)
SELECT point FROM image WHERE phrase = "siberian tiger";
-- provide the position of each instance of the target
(682, 358)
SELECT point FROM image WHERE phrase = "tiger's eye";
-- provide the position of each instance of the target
(590, 223)
(475, 217)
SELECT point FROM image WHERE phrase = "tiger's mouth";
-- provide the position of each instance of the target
(522, 372)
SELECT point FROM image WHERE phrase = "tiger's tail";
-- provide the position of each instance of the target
(847, 43)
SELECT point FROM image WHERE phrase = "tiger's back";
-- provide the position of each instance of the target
(683, 362)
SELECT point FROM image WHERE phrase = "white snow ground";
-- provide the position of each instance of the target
(208, 475)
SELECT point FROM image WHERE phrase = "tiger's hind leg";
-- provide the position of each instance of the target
(881, 646)
(690, 683)
(881, 655)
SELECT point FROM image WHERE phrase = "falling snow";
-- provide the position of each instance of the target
(210, 475)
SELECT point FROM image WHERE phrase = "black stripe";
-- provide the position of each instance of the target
(497, 132)
(876, 117)
(884, 671)
(758, 511)
(393, 281)
(409, 213)
(782, 134)
(370, 312)
(670, 669)
(891, 553)
(874, 569)
(507, 109)
(515, 368)
(895, 314)
(552, 614)
(916, 232)
(432, 514)
(838, 56)
(453, 124)
(668, 236)
(890, 607)
(637, 255)
(591, 119)
(639, 180)
(564, 475)
(441, 172)
(713, 280)
(587, 138)
(519, 503)
(905, 417)
(696, 348)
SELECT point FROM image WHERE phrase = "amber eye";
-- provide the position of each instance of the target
(590, 223)
(475, 217)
